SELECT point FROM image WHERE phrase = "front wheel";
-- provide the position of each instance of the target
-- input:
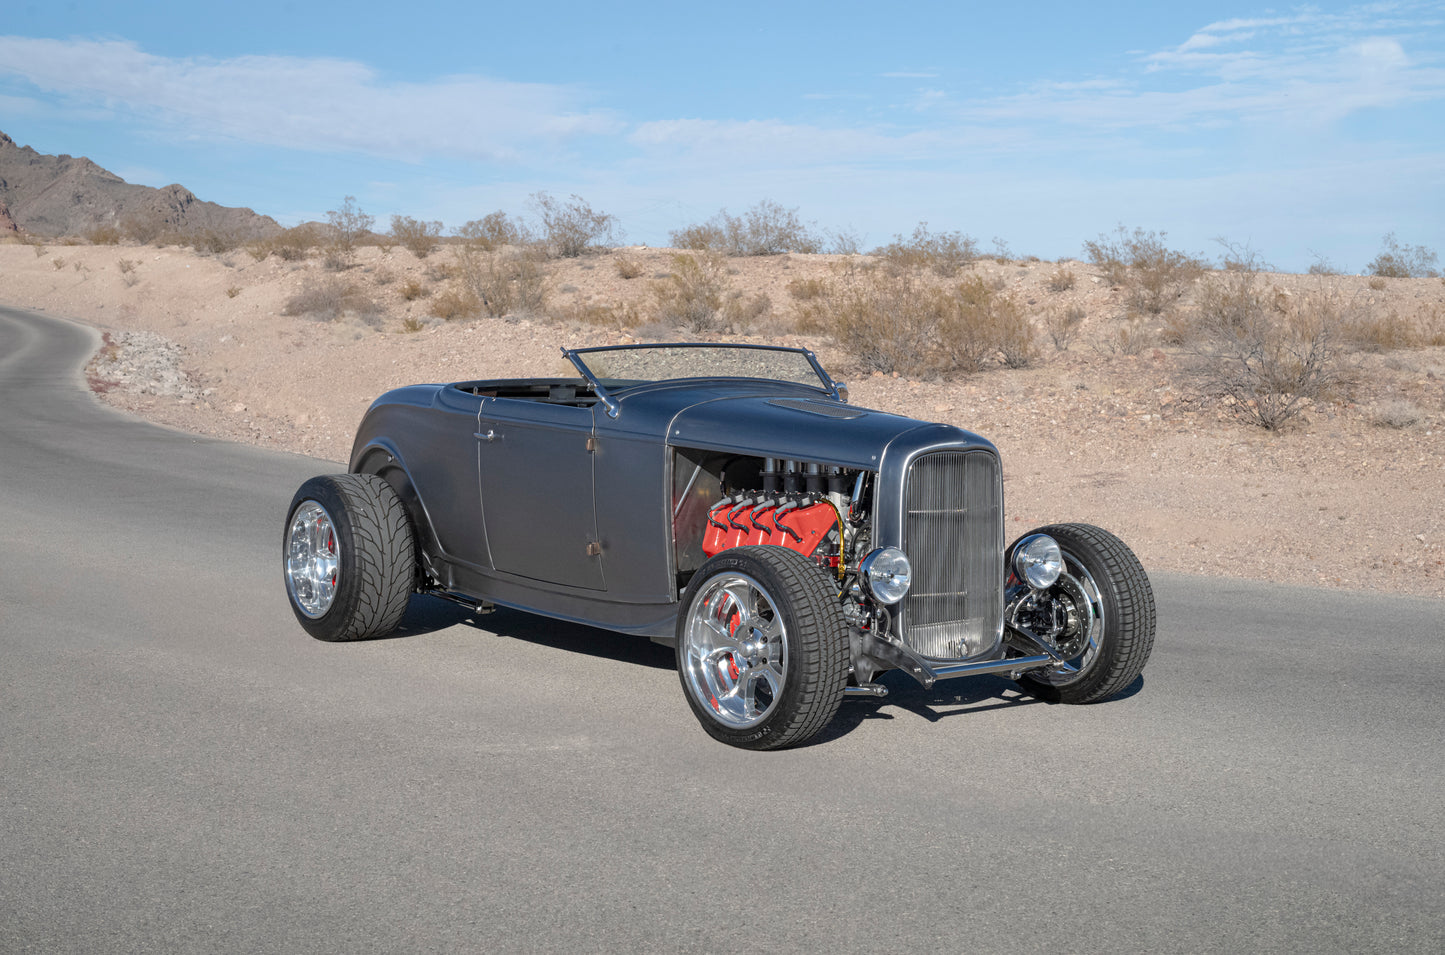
(348, 559)
(1100, 615)
(762, 647)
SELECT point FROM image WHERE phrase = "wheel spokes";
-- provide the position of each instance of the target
(735, 652)
(313, 559)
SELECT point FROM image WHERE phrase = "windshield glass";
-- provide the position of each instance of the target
(633, 363)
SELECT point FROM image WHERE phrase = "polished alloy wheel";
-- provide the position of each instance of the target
(735, 650)
(313, 561)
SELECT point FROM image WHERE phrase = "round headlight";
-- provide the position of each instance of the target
(886, 573)
(1038, 561)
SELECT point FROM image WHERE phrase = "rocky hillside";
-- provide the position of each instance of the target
(64, 195)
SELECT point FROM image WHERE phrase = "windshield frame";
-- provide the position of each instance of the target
(825, 384)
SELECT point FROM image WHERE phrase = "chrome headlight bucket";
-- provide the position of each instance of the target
(886, 573)
(1038, 561)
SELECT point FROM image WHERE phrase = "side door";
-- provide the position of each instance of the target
(537, 497)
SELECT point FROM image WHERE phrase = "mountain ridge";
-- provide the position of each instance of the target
(64, 195)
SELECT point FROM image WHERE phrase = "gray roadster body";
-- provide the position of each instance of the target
(725, 499)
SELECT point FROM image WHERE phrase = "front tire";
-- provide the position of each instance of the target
(762, 648)
(348, 557)
(1110, 606)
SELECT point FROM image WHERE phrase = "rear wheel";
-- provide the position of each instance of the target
(348, 558)
(1100, 615)
(762, 647)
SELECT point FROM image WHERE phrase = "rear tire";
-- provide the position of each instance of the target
(1121, 603)
(348, 557)
(762, 648)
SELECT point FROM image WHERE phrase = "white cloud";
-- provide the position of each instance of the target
(1382, 53)
(312, 104)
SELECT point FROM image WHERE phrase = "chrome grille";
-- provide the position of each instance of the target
(953, 535)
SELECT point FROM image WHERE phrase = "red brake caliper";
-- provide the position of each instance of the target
(733, 631)
(330, 547)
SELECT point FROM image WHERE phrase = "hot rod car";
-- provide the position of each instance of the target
(726, 499)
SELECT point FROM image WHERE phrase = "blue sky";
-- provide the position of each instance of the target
(1306, 131)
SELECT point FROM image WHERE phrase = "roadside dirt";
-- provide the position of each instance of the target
(1353, 496)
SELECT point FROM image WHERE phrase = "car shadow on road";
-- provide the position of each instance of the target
(426, 614)
(947, 699)
(962, 697)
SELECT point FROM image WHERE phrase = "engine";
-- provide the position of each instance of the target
(804, 506)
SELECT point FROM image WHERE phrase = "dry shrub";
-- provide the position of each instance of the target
(572, 228)
(1130, 337)
(143, 226)
(693, 294)
(1270, 364)
(349, 227)
(946, 253)
(505, 282)
(214, 241)
(979, 324)
(627, 266)
(107, 234)
(1397, 414)
(453, 303)
(1371, 331)
(702, 237)
(1062, 280)
(412, 290)
(443, 271)
(233, 291)
(411, 324)
(327, 298)
(766, 229)
(614, 315)
(1155, 275)
(1403, 261)
(495, 231)
(885, 319)
(804, 289)
(1063, 325)
(843, 242)
(1377, 284)
(58, 263)
(292, 245)
(894, 321)
(415, 235)
(744, 312)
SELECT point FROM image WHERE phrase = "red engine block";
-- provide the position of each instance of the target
(784, 524)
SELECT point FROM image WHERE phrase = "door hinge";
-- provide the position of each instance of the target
(591, 443)
(594, 549)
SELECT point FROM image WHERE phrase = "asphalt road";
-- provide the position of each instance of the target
(182, 769)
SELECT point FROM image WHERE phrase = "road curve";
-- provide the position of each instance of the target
(182, 769)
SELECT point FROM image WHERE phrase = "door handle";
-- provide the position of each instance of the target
(489, 436)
